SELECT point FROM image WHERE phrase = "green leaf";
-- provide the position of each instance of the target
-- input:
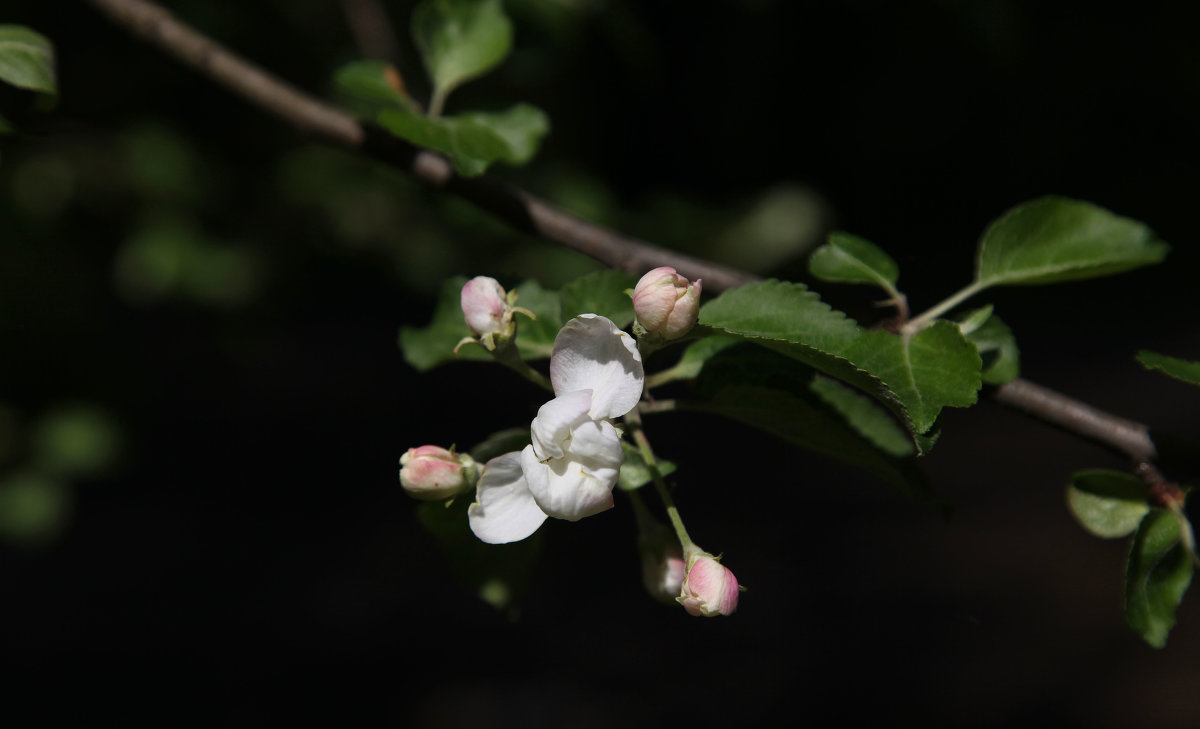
(864, 416)
(6, 126)
(692, 361)
(460, 39)
(471, 147)
(473, 141)
(771, 392)
(935, 368)
(849, 259)
(1057, 239)
(915, 375)
(603, 293)
(635, 473)
(1180, 369)
(27, 59)
(521, 127)
(1156, 576)
(995, 343)
(1108, 504)
(535, 338)
(498, 574)
(372, 85)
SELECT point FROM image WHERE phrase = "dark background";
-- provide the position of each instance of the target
(220, 299)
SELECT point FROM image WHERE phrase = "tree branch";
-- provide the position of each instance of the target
(1123, 436)
(520, 209)
(529, 213)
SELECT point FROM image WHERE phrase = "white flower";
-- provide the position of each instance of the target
(569, 469)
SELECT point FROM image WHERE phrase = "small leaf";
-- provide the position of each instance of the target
(996, 345)
(498, 574)
(471, 147)
(1180, 369)
(1108, 504)
(26, 59)
(1057, 239)
(849, 259)
(521, 127)
(1157, 574)
(603, 293)
(634, 471)
(373, 85)
(473, 141)
(460, 39)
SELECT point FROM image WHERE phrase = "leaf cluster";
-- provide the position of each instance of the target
(459, 40)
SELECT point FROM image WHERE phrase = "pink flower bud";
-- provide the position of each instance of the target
(430, 472)
(666, 303)
(709, 589)
(486, 308)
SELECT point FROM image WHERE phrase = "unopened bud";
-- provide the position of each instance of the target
(709, 589)
(666, 303)
(485, 307)
(431, 472)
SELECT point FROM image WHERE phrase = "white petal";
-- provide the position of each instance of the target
(597, 446)
(590, 353)
(555, 420)
(569, 488)
(504, 510)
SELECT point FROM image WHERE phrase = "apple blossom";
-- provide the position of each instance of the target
(709, 589)
(431, 472)
(666, 303)
(504, 510)
(571, 465)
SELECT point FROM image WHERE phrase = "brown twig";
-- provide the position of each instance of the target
(1123, 436)
(531, 214)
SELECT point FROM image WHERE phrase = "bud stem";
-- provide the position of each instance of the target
(634, 420)
(508, 356)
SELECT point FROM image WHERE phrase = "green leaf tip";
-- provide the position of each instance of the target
(460, 40)
(1108, 504)
(27, 60)
(1054, 239)
(476, 140)
(1157, 575)
(1180, 369)
(846, 258)
(997, 347)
